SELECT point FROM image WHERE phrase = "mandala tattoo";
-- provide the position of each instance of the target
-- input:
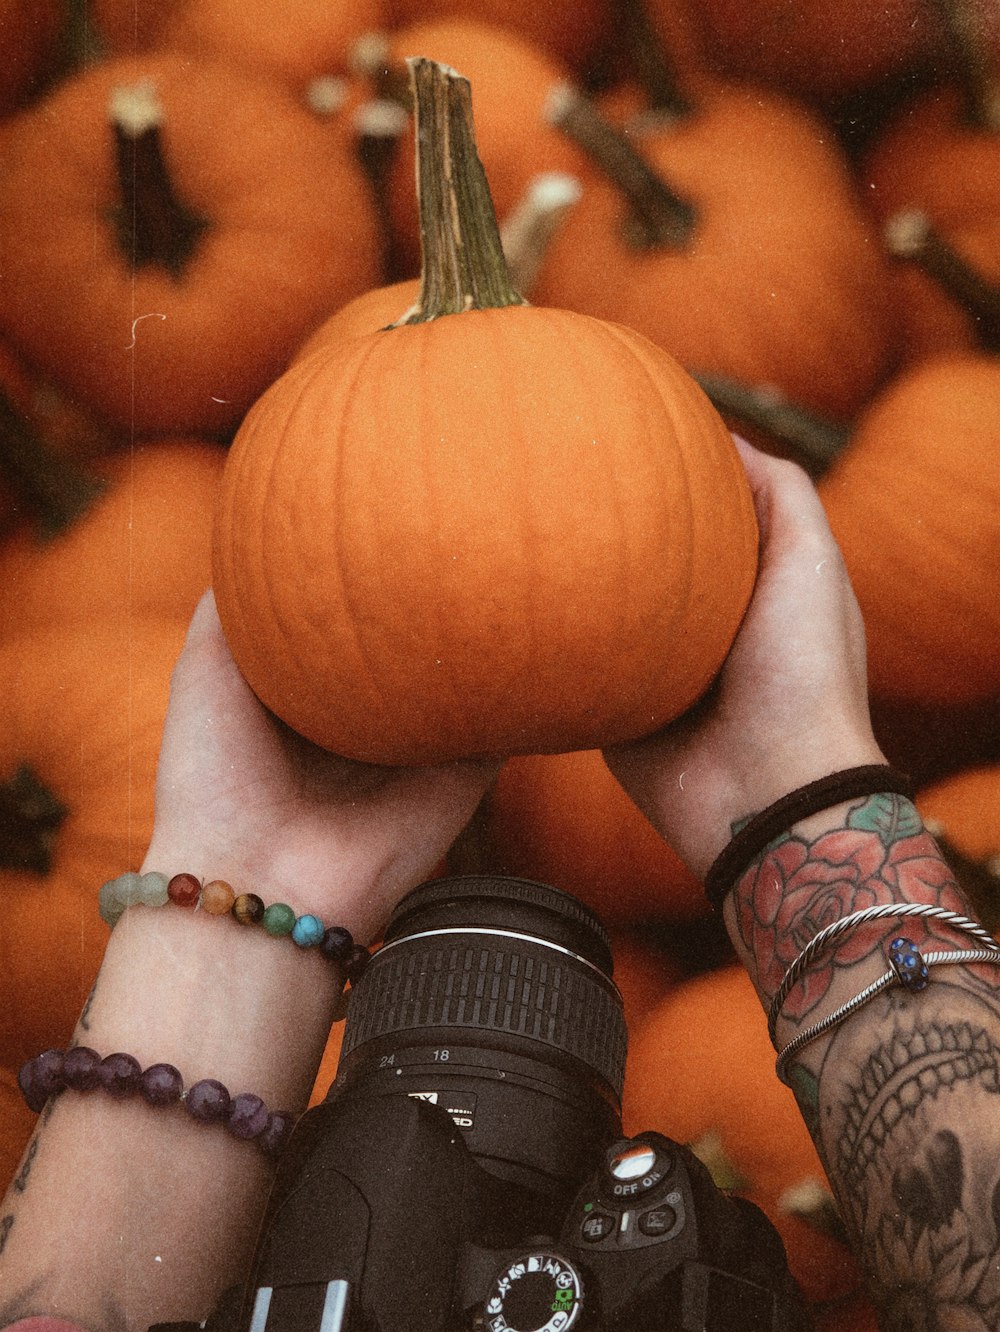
(904, 1099)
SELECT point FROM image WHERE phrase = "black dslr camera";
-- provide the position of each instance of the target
(467, 1171)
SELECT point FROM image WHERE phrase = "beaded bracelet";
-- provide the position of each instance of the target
(218, 898)
(893, 910)
(908, 967)
(121, 1075)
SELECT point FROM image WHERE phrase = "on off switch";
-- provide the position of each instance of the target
(635, 1168)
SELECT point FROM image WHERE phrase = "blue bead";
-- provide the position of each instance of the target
(308, 931)
(908, 963)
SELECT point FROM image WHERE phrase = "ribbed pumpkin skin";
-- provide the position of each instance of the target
(914, 503)
(143, 547)
(783, 280)
(143, 350)
(505, 531)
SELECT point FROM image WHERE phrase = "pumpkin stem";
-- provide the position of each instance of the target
(978, 79)
(646, 57)
(911, 235)
(53, 489)
(530, 226)
(659, 216)
(463, 265)
(29, 818)
(378, 126)
(808, 439)
(154, 226)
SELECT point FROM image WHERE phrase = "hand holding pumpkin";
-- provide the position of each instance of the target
(790, 704)
(242, 798)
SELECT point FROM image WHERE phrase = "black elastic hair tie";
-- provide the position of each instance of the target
(763, 828)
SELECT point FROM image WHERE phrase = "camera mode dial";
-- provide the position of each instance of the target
(537, 1292)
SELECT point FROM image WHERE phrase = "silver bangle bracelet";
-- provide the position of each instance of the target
(890, 910)
(917, 962)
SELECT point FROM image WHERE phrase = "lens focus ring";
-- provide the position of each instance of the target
(492, 982)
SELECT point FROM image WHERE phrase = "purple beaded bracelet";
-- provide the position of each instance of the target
(218, 898)
(121, 1075)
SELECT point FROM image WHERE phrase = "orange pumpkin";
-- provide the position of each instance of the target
(309, 38)
(948, 290)
(573, 34)
(965, 806)
(142, 548)
(372, 310)
(924, 564)
(453, 593)
(939, 152)
(83, 713)
(702, 1064)
(740, 247)
(182, 341)
(58, 420)
(413, 554)
(822, 50)
(564, 819)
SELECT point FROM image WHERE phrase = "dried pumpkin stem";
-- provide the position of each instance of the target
(911, 235)
(154, 225)
(978, 78)
(810, 440)
(30, 816)
(531, 224)
(378, 128)
(647, 59)
(658, 215)
(81, 43)
(54, 491)
(463, 265)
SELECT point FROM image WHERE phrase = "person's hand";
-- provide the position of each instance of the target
(791, 702)
(242, 798)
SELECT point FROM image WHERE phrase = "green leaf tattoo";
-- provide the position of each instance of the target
(890, 817)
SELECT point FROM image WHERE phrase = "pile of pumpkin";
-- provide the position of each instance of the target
(207, 222)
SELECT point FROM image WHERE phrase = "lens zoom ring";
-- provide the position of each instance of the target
(519, 989)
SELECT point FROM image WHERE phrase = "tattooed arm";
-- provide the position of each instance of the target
(901, 1098)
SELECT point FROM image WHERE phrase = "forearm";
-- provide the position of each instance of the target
(901, 1096)
(122, 1214)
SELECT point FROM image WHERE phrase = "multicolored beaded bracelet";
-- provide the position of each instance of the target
(121, 1075)
(218, 898)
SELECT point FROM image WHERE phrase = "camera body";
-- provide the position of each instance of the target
(468, 1170)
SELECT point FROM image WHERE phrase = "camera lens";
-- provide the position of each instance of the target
(493, 997)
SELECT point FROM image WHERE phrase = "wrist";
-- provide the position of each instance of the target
(216, 1000)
